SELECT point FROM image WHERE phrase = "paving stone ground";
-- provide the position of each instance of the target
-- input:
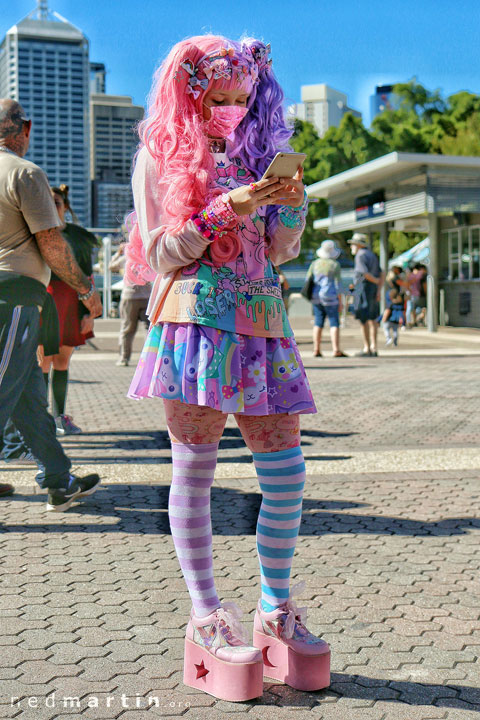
(93, 605)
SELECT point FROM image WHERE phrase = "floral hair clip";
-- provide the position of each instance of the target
(261, 54)
(222, 65)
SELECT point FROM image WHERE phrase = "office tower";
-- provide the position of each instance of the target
(383, 99)
(97, 78)
(322, 106)
(113, 142)
(44, 66)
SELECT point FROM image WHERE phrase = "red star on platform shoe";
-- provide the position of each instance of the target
(201, 670)
(235, 668)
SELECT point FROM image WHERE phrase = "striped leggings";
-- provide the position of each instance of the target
(281, 476)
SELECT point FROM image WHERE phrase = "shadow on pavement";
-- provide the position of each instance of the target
(143, 508)
(155, 440)
(378, 689)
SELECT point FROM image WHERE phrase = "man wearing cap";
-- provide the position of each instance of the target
(30, 245)
(368, 280)
(325, 296)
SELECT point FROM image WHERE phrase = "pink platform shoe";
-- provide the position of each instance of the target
(218, 659)
(291, 653)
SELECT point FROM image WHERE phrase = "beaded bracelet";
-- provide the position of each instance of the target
(293, 217)
(214, 220)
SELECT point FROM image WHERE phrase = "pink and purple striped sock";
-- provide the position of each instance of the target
(282, 479)
(190, 520)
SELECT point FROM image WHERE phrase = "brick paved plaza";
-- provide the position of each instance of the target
(92, 601)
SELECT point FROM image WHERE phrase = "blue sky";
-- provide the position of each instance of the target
(351, 45)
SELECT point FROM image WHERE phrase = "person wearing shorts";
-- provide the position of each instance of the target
(326, 299)
(368, 280)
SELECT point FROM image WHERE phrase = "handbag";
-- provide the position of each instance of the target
(307, 289)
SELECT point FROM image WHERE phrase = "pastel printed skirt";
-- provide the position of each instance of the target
(223, 370)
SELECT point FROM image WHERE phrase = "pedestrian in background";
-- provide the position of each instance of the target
(368, 281)
(31, 244)
(76, 323)
(133, 308)
(326, 298)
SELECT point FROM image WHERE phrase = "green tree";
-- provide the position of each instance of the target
(422, 122)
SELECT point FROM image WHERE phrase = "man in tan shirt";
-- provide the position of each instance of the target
(30, 246)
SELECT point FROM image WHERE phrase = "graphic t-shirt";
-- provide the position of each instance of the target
(243, 295)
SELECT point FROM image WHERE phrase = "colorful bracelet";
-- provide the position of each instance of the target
(214, 220)
(293, 217)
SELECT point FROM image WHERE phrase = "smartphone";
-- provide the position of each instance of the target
(284, 165)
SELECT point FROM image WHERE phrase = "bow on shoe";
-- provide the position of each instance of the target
(230, 613)
(293, 611)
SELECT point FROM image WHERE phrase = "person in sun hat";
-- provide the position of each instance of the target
(325, 296)
(368, 281)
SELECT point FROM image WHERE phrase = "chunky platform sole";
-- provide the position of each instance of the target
(302, 672)
(235, 682)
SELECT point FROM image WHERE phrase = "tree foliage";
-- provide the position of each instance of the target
(421, 121)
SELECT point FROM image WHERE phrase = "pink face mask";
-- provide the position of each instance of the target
(224, 120)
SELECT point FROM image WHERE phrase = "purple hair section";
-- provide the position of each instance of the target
(264, 131)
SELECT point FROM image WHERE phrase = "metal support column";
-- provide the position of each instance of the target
(383, 258)
(432, 278)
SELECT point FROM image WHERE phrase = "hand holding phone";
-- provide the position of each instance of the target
(284, 165)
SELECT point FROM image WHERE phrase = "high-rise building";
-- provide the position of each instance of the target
(97, 78)
(44, 65)
(322, 106)
(113, 142)
(383, 99)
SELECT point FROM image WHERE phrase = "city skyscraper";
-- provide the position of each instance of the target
(322, 106)
(44, 65)
(383, 99)
(113, 141)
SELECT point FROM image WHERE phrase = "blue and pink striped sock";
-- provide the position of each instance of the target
(282, 479)
(190, 521)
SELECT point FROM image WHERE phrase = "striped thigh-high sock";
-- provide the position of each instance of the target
(190, 521)
(282, 479)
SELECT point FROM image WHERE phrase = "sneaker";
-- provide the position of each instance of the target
(24, 457)
(291, 653)
(60, 499)
(6, 489)
(388, 341)
(123, 362)
(218, 658)
(66, 426)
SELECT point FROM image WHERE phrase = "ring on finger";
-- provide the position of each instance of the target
(253, 186)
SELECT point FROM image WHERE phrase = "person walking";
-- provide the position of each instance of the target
(133, 308)
(75, 322)
(209, 230)
(326, 298)
(31, 244)
(368, 281)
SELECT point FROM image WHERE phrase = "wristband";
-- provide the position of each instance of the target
(293, 217)
(88, 294)
(214, 220)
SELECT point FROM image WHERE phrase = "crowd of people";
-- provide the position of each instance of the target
(405, 296)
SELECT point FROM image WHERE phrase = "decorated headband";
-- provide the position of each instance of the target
(224, 65)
